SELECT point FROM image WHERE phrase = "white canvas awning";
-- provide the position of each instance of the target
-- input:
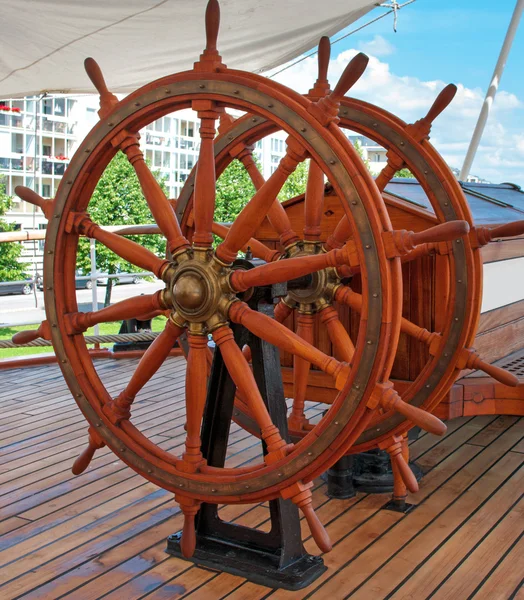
(44, 42)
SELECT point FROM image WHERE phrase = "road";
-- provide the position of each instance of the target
(25, 310)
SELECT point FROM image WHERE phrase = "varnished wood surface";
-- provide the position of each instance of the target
(102, 534)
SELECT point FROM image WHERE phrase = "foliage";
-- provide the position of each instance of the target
(10, 267)
(234, 189)
(404, 174)
(358, 147)
(118, 200)
(296, 183)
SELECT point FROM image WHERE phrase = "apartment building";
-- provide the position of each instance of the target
(39, 135)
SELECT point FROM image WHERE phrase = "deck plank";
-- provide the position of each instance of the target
(102, 534)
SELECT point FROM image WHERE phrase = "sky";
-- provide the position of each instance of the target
(439, 42)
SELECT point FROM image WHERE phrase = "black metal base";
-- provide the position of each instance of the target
(368, 472)
(254, 564)
(133, 326)
(400, 506)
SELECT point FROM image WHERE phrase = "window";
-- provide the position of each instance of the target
(157, 161)
(46, 150)
(167, 124)
(166, 163)
(47, 106)
(60, 107)
(158, 125)
(190, 161)
(41, 242)
(46, 190)
(17, 143)
(3, 118)
(183, 161)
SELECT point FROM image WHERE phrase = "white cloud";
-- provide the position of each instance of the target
(378, 46)
(501, 154)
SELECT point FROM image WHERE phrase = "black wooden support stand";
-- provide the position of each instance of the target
(276, 559)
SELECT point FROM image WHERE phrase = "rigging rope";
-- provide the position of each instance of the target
(395, 7)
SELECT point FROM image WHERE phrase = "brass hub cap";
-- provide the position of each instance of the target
(198, 291)
(320, 292)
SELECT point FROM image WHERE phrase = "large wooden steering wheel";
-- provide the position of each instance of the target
(201, 286)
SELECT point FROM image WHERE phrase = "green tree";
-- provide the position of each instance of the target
(404, 174)
(234, 189)
(358, 147)
(118, 200)
(11, 269)
(296, 183)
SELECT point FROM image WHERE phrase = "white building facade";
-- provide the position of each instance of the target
(39, 135)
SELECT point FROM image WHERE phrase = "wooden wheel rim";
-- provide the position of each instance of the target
(349, 414)
(449, 204)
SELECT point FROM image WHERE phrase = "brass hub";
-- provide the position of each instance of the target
(198, 290)
(319, 293)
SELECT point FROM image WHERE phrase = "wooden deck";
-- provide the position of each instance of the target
(102, 534)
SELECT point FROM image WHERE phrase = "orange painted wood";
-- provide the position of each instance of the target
(314, 202)
(338, 334)
(395, 451)
(300, 494)
(82, 462)
(30, 335)
(280, 336)
(297, 419)
(159, 205)
(390, 400)
(244, 380)
(326, 109)
(120, 311)
(258, 249)
(196, 388)
(285, 270)
(253, 213)
(321, 86)
(421, 128)
(401, 241)
(28, 195)
(107, 99)
(205, 178)
(282, 312)
(340, 235)
(149, 364)
(471, 360)
(126, 249)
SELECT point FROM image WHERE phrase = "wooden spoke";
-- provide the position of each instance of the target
(253, 213)
(483, 235)
(126, 249)
(28, 195)
(471, 360)
(258, 249)
(313, 202)
(196, 387)
(282, 311)
(30, 335)
(95, 442)
(300, 494)
(326, 109)
(338, 334)
(244, 380)
(401, 241)
(107, 99)
(285, 270)
(340, 235)
(151, 361)
(205, 178)
(189, 508)
(321, 86)
(419, 130)
(210, 59)
(159, 205)
(279, 335)
(276, 215)
(394, 447)
(389, 399)
(120, 311)
(297, 419)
